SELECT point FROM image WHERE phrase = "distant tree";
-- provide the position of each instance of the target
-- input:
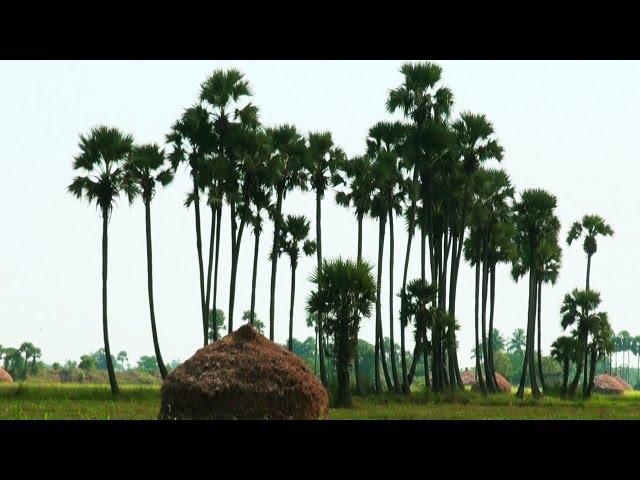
(257, 323)
(122, 358)
(148, 363)
(219, 322)
(87, 362)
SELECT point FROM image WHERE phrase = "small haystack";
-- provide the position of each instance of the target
(4, 376)
(243, 376)
(468, 377)
(624, 383)
(606, 383)
(503, 384)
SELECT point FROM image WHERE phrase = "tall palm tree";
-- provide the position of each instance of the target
(102, 153)
(535, 223)
(593, 226)
(192, 140)
(144, 169)
(293, 235)
(291, 172)
(382, 146)
(324, 160)
(225, 94)
(358, 173)
(344, 295)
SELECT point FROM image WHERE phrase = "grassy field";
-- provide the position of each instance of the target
(136, 402)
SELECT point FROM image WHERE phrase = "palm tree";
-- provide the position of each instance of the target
(593, 225)
(601, 344)
(102, 153)
(535, 223)
(517, 342)
(564, 350)
(192, 140)
(122, 358)
(28, 349)
(223, 94)
(253, 320)
(144, 169)
(293, 235)
(344, 294)
(417, 306)
(624, 345)
(382, 146)
(324, 160)
(361, 185)
(291, 170)
(577, 310)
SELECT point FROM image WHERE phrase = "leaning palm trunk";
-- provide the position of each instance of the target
(236, 238)
(485, 354)
(254, 275)
(113, 382)
(492, 303)
(392, 353)
(403, 356)
(274, 265)
(540, 372)
(592, 372)
(565, 377)
(152, 314)
(212, 237)
(205, 319)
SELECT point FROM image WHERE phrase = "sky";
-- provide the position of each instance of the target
(566, 126)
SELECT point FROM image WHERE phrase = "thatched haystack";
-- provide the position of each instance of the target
(468, 377)
(4, 376)
(624, 383)
(243, 376)
(611, 384)
(503, 384)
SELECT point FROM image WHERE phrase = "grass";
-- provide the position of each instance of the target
(24, 401)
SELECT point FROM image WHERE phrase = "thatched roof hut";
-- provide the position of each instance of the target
(243, 376)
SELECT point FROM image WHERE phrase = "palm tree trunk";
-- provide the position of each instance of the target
(392, 353)
(113, 382)
(254, 275)
(528, 345)
(379, 333)
(535, 391)
(356, 358)
(542, 382)
(483, 387)
(236, 239)
(323, 371)
(492, 304)
(205, 319)
(212, 237)
(403, 355)
(485, 354)
(152, 314)
(342, 371)
(216, 333)
(417, 353)
(291, 301)
(565, 377)
(455, 267)
(274, 264)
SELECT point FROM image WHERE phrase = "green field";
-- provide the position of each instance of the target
(95, 402)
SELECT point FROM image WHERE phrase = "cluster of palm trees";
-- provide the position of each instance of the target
(625, 345)
(14, 358)
(431, 168)
(591, 338)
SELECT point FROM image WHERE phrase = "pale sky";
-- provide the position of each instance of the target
(569, 127)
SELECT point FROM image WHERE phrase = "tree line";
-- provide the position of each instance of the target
(435, 171)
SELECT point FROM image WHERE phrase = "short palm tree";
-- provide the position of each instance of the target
(345, 292)
(536, 222)
(293, 236)
(577, 311)
(144, 169)
(564, 350)
(601, 344)
(102, 154)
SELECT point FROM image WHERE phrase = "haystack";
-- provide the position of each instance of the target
(4, 376)
(606, 383)
(503, 384)
(624, 383)
(468, 377)
(243, 376)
